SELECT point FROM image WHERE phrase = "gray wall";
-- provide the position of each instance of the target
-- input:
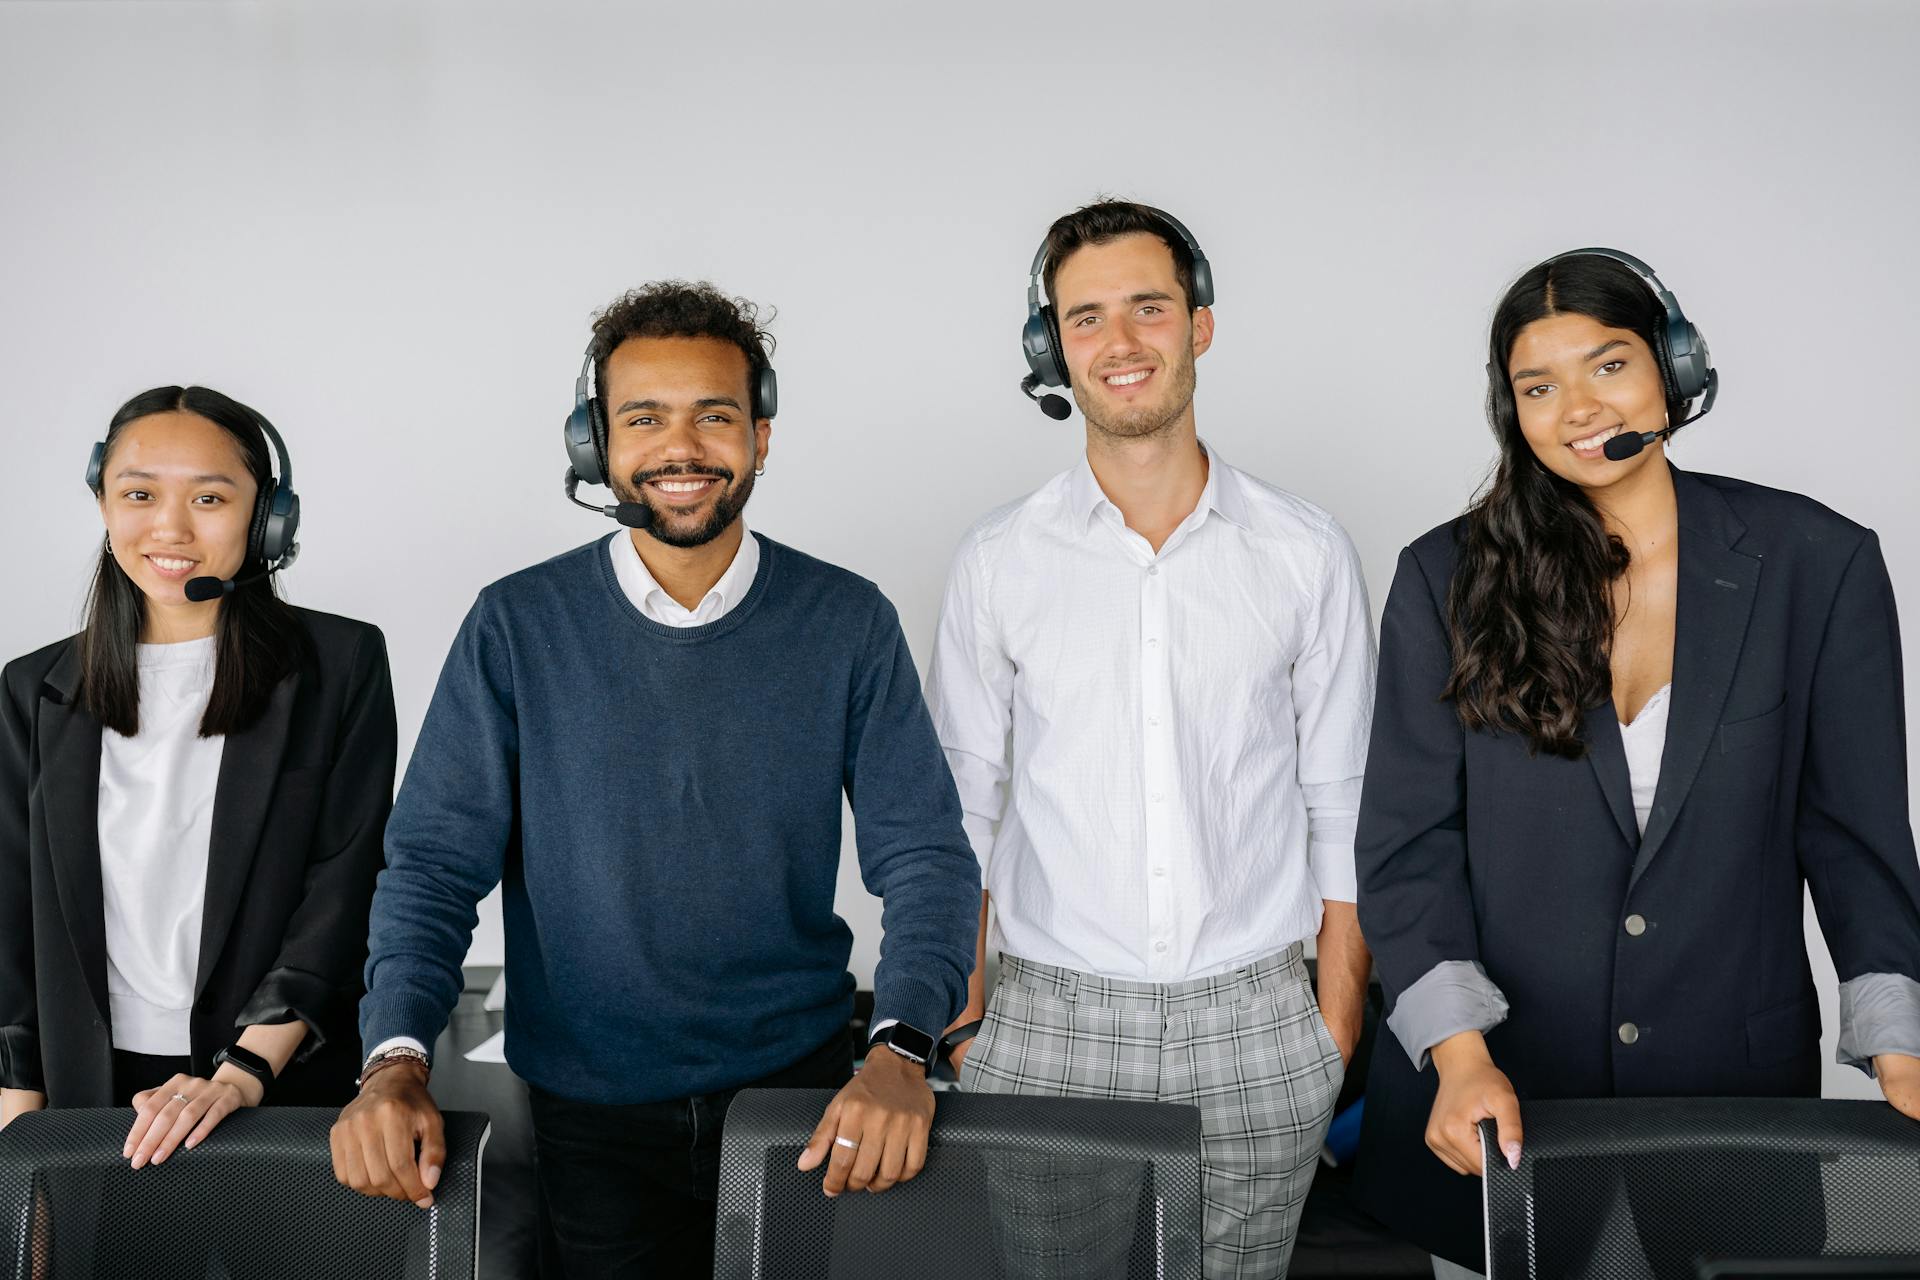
(387, 224)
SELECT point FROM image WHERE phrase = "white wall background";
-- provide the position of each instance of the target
(386, 225)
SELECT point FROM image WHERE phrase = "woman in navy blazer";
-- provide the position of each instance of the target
(1563, 900)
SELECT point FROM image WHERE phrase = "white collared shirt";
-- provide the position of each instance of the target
(1159, 756)
(652, 600)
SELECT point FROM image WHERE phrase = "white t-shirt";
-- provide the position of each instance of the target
(1645, 742)
(155, 819)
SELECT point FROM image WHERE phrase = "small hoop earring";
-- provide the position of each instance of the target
(759, 471)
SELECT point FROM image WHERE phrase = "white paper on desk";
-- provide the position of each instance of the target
(496, 994)
(492, 1049)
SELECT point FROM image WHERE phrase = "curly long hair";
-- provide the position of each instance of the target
(1531, 606)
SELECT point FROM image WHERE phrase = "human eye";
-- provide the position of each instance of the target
(1151, 309)
(1538, 391)
(136, 495)
(209, 499)
(1612, 366)
(1084, 321)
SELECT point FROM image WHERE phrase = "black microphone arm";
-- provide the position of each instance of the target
(1055, 407)
(634, 515)
(207, 587)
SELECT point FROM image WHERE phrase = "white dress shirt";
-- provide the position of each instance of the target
(651, 599)
(1159, 756)
(155, 819)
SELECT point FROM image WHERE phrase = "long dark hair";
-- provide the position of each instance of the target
(1531, 607)
(258, 640)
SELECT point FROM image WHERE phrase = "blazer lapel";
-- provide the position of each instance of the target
(69, 743)
(1608, 755)
(249, 767)
(1716, 590)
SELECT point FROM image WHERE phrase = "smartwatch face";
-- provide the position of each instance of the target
(912, 1040)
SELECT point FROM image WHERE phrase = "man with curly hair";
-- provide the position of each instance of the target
(646, 741)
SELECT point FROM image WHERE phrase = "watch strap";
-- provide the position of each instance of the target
(248, 1061)
(959, 1036)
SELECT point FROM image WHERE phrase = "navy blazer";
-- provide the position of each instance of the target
(1785, 764)
(298, 813)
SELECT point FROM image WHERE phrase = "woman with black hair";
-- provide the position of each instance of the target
(1624, 714)
(192, 796)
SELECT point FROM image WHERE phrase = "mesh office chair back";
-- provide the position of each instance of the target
(256, 1201)
(1015, 1187)
(1632, 1188)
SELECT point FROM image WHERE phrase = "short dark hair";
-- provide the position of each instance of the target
(681, 309)
(1108, 219)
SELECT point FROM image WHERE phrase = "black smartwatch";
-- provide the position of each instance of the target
(909, 1042)
(248, 1061)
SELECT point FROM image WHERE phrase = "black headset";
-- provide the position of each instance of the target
(276, 509)
(1040, 335)
(1686, 366)
(586, 429)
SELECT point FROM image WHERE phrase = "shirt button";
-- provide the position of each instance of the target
(1628, 1033)
(1636, 925)
(1159, 871)
(1152, 643)
(1154, 721)
(1160, 946)
(1158, 796)
(1152, 570)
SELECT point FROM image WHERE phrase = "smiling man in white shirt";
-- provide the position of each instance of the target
(1153, 680)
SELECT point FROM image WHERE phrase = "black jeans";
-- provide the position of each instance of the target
(629, 1190)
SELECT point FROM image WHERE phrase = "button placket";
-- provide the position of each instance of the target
(1156, 762)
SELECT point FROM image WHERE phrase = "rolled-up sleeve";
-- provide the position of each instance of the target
(1410, 849)
(970, 695)
(1333, 688)
(1853, 832)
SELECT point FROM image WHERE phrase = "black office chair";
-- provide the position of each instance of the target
(1015, 1187)
(256, 1201)
(1721, 1188)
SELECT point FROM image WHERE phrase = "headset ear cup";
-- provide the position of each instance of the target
(766, 394)
(1687, 359)
(257, 531)
(583, 443)
(598, 420)
(96, 466)
(1202, 281)
(1056, 354)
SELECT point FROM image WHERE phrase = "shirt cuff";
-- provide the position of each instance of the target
(1451, 997)
(398, 1042)
(1334, 877)
(1879, 1013)
(878, 1027)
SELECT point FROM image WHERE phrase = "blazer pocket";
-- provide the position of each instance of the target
(1754, 731)
(1776, 1034)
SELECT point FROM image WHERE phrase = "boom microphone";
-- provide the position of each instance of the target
(1055, 407)
(207, 587)
(634, 515)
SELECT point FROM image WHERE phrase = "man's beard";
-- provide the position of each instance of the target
(670, 524)
(1147, 420)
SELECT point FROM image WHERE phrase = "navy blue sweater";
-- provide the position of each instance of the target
(663, 808)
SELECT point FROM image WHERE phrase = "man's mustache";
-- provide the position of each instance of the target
(681, 472)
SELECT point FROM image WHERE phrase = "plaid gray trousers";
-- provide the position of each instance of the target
(1248, 1048)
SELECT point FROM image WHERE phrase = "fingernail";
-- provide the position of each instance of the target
(1513, 1154)
(162, 1156)
(431, 1177)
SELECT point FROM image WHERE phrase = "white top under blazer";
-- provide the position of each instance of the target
(155, 822)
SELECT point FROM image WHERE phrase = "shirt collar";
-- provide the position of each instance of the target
(1223, 494)
(652, 599)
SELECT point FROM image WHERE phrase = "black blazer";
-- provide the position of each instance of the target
(1785, 763)
(298, 815)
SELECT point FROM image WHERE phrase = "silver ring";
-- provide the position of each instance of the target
(848, 1143)
(181, 1097)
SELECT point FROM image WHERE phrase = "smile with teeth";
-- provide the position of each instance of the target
(685, 486)
(172, 566)
(1593, 443)
(1127, 379)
